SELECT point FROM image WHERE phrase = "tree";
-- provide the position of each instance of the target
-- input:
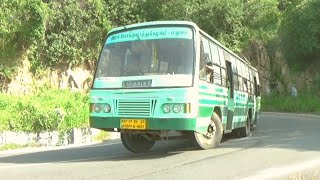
(73, 33)
(300, 31)
(21, 23)
(262, 19)
(223, 20)
(124, 12)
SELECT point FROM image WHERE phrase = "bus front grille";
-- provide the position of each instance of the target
(135, 107)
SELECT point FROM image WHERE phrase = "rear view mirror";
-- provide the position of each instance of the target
(207, 59)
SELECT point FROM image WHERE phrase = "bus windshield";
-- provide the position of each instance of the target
(148, 57)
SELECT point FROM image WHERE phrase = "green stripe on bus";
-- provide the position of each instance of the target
(205, 111)
(239, 111)
(213, 102)
(213, 95)
(240, 104)
(216, 89)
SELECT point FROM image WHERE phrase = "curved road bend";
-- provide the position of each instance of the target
(283, 146)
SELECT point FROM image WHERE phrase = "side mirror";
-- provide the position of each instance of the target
(207, 60)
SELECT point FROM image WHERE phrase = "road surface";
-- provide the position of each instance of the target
(284, 146)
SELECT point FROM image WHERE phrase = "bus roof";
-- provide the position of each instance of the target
(253, 68)
(225, 48)
(151, 23)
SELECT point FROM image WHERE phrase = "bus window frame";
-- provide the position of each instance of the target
(223, 67)
(216, 77)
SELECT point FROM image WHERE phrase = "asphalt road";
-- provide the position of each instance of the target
(284, 146)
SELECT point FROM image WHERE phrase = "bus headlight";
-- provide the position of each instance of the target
(166, 108)
(106, 108)
(97, 108)
(177, 108)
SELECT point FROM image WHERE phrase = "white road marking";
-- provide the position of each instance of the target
(272, 173)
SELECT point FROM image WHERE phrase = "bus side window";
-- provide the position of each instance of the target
(256, 87)
(245, 85)
(223, 67)
(223, 77)
(234, 73)
(206, 72)
(202, 74)
(216, 64)
(240, 74)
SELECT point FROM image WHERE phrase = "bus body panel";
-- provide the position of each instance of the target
(202, 98)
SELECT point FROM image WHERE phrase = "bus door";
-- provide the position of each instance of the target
(230, 85)
(256, 98)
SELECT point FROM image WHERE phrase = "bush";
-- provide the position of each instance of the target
(17, 146)
(46, 110)
(50, 33)
(73, 33)
(300, 31)
(102, 136)
(306, 103)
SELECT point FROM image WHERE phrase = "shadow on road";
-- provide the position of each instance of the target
(282, 132)
(109, 151)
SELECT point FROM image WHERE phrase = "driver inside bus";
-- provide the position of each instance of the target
(206, 70)
(135, 66)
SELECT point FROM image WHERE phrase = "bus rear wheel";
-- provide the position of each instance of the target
(246, 130)
(212, 137)
(137, 143)
(255, 122)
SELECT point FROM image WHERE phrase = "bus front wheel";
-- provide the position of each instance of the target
(212, 137)
(137, 143)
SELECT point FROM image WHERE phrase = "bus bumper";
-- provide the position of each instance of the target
(151, 123)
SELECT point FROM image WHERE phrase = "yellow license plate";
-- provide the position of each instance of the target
(133, 124)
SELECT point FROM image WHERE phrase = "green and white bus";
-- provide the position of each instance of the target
(155, 78)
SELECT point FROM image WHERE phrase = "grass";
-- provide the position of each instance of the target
(103, 135)
(9, 146)
(304, 103)
(44, 110)
(299, 176)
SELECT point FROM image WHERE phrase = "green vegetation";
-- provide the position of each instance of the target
(302, 103)
(9, 146)
(102, 136)
(50, 33)
(305, 175)
(300, 31)
(56, 33)
(46, 110)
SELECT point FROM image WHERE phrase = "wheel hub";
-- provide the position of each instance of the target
(211, 131)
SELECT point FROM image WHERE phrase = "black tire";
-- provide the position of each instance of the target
(136, 143)
(209, 140)
(255, 122)
(246, 130)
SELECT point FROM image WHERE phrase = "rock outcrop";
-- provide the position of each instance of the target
(24, 82)
(258, 57)
(275, 73)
